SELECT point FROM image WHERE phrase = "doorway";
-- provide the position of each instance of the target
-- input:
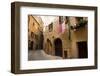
(82, 49)
(58, 47)
(49, 47)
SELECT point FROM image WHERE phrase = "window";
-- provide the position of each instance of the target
(50, 27)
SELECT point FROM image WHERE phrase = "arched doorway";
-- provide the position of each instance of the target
(49, 47)
(58, 47)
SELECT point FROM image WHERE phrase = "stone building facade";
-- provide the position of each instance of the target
(65, 43)
(35, 32)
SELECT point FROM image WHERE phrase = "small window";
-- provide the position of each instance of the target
(61, 19)
(32, 34)
(33, 23)
(50, 27)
